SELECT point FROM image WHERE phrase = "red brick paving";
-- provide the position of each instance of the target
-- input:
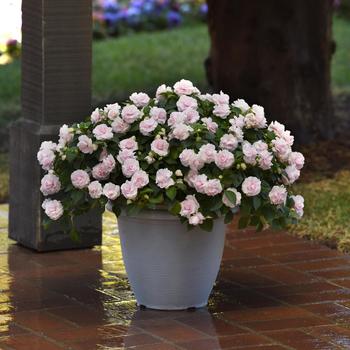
(274, 292)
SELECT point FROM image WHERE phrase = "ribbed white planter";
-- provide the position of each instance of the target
(170, 268)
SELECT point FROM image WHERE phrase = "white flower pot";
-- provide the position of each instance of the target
(170, 268)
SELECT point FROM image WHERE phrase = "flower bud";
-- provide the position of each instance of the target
(243, 166)
(178, 172)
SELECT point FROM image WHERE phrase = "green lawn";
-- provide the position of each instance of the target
(327, 208)
(143, 61)
(341, 58)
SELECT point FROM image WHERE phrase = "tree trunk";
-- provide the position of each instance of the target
(276, 53)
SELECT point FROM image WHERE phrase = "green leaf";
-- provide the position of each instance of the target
(74, 235)
(158, 199)
(77, 196)
(171, 192)
(231, 196)
(228, 217)
(132, 209)
(207, 225)
(243, 222)
(256, 202)
(176, 208)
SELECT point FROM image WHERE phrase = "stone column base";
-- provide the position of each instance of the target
(25, 197)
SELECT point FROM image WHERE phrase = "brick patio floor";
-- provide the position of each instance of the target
(274, 292)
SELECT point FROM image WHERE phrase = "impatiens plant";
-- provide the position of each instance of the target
(198, 156)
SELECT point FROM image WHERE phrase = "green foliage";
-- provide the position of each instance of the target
(327, 208)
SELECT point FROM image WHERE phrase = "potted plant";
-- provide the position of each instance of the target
(174, 169)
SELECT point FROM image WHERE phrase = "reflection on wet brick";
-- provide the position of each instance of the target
(274, 292)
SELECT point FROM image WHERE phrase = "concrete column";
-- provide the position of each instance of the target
(56, 89)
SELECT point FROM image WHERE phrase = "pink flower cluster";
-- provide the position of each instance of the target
(180, 147)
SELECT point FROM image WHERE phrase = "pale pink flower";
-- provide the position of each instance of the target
(260, 146)
(228, 142)
(184, 87)
(281, 149)
(100, 172)
(291, 174)
(189, 206)
(129, 144)
(53, 209)
(190, 177)
(140, 99)
(199, 182)
(129, 190)
(158, 114)
(237, 133)
(187, 156)
(186, 102)
(192, 116)
(80, 179)
(160, 147)
(221, 99)
(119, 126)
(176, 118)
(48, 145)
(265, 160)
(249, 153)
(196, 219)
(298, 205)
(181, 132)
(103, 154)
(238, 122)
(206, 97)
(278, 195)
(296, 159)
(46, 158)
(251, 186)
(85, 144)
(286, 136)
(224, 159)
(277, 128)
(111, 191)
(103, 132)
(50, 184)
(95, 189)
(66, 135)
(255, 121)
(213, 187)
(130, 166)
(241, 104)
(164, 178)
(210, 124)
(222, 111)
(147, 126)
(207, 153)
(112, 111)
(125, 154)
(140, 179)
(227, 202)
(162, 90)
(109, 163)
(131, 113)
(196, 163)
(96, 116)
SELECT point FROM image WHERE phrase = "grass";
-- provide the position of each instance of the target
(4, 178)
(145, 60)
(341, 58)
(327, 208)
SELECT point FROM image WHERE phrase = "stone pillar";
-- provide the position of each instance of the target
(56, 89)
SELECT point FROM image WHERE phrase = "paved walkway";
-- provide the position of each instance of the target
(274, 292)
